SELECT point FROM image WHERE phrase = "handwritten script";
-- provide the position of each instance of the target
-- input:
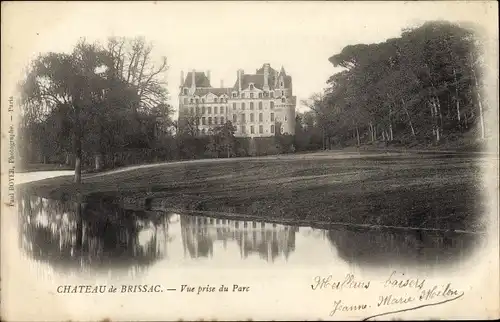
(399, 293)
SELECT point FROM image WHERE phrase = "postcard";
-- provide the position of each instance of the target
(233, 160)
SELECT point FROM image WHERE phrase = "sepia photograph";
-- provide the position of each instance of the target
(249, 160)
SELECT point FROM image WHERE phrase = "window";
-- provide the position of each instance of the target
(243, 120)
(242, 95)
(261, 129)
(260, 105)
(209, 109)
(251, 95)
(234, 118)
(242, 106)
(285, 118)
(243, 130)
(271, 105)
(185, 100)
(234, 106)
(281, 84)
(235, 95)
(203, 121)
(251, 105)
(191, 101)
(272, 117)
(222, 120)
(266, 94)
(251, 117)
(185, 91)
(197, 110)
(260, 95)
(216, 109)
(209, 120)
(260, 117)
(283, 100)
(203, 100)
(282, 93)
(272, 128)
(203, 132)
(192, 110)
(197, 100)
(215, 99)
(251, 87)
(251, 129)
(203, 110)
(215, 120)
(272, 94)
(222, 110)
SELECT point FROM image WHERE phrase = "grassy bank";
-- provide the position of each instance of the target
(411, 190)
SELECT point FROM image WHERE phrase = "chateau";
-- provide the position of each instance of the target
(258, 105)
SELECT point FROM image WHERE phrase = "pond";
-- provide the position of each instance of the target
(110, 237)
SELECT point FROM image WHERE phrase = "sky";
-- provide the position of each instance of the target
(224, 36)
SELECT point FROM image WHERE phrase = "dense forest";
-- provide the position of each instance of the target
(424, 87)
(106, 105)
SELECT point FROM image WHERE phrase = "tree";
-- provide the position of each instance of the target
(70, 85)
(134, 63)
(222, 140)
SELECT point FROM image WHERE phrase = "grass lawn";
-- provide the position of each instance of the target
(411, 190)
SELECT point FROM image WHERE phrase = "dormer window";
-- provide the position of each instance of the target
(215, 99)
(191, 101)
(197, 100)
(272, 94)
(283, 100)
(235, 95)
(185, 91)
(266, 94)
(281, 84)
(251, 87)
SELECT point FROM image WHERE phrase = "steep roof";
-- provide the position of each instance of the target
(201, 80)
(258, 79)
(260, 71)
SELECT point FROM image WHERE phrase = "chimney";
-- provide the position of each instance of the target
(221, 83)
(193, 79)
(240, 74)
(266, 76)
(208, 75)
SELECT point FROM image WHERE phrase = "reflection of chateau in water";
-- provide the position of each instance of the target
(90, 236)
(267, 240)
(105, 236)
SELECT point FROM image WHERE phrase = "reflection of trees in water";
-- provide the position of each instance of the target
(268, 240)
(94, 236)
(380, 247)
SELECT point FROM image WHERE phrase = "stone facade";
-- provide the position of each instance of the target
(257, 105)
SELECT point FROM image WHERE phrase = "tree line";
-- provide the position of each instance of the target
(424, 86)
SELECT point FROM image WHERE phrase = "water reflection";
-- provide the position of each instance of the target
(267, 240)
(110, 236)
(93, 236)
